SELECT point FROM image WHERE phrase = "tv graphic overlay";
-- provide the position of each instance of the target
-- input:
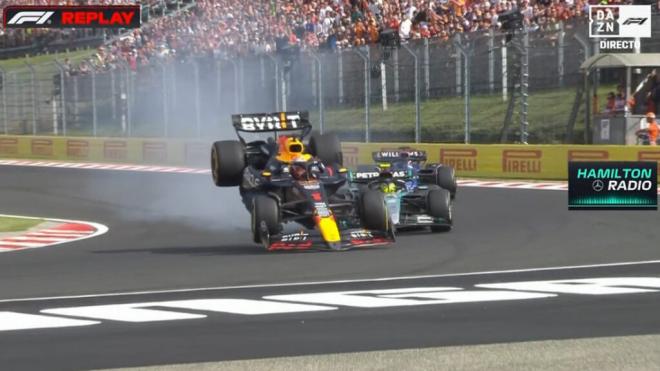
(624, 185)
(619, 22)
(124, 16)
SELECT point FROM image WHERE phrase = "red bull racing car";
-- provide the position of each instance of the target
(284, 182)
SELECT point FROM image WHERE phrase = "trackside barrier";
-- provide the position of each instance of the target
(508, 161)
(111, 150)
(479, 161)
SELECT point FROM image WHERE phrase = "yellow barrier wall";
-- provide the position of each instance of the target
(509, 161)
(115, 150)
(487, 160)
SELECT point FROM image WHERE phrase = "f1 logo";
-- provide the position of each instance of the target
(36, 17)
(639, 21)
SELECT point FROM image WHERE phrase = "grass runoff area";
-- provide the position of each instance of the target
(443, 119)
(14, 224)
(45, 61)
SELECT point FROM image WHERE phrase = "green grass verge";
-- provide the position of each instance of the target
(442, 120)
(11, 224)
(45, 61)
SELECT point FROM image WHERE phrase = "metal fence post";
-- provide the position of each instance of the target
(367, 93)
(491, 60)
(418, 124)
(466, 53)
(33, 98)
(524, 84)
(560, 54)
(3, 86)
(458, 60)
(241, 82)
(113, 94)
(505, 72)
(395, 55)
(340, 72)
(94, 119)
(18, 96)
(313, 77)
(76, 116)
(61, 68)
(585, 45)
(218, 84)
(284, 86)
(198, 117)
(166, 118)
(383, 84)
(262, 71)
(126, 99)
(427, 72)
(320, 87)
(277, 81)
(236, 87)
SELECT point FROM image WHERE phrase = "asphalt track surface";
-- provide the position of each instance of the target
(172, 234)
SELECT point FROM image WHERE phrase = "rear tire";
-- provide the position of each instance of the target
(327, 148)
(445, 177)
(265, 213)
(373, 211)
(438, 204)
(227, 163)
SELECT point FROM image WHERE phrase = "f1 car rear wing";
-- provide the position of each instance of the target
(272, 122)
(392, 156)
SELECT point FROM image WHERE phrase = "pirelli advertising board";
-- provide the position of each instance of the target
(106, 150)
(544, 162)
(485, 161)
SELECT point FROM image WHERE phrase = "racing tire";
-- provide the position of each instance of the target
(327, 148)
(438, 204)
(265, 214)
(445, 177)
(373, 212)
(227, 163)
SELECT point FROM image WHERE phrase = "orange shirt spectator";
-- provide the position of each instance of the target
(373, 31)
(652, 129)
(458, 6)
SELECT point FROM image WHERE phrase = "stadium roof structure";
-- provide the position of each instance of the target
(621, 60)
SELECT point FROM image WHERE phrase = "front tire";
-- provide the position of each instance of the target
(373, 211)
(227, 163)
(438, 204)
(445, 177)
(265, 217)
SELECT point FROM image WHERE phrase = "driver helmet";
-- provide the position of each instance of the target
(389, 187)
(290, 148)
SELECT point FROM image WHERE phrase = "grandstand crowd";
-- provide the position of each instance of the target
(240, 27)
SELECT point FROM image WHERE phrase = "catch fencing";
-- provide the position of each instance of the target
(415, 93)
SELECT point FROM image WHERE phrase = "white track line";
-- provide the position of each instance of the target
(315, 283)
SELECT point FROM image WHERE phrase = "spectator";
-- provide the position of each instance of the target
(649, 129)
(610, 104)
(239, 27)
(619, 103)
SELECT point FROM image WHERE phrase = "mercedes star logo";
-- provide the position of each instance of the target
(598, 185)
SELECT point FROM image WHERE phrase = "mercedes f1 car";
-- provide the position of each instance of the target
(281, 180)
(417, 195)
